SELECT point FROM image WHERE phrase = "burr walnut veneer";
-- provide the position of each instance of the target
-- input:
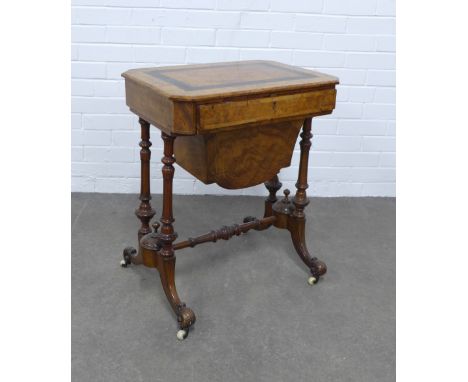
(234, 124)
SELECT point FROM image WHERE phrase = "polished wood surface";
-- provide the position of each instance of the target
(234, 124)
(238, 158)
(231, 115)
(247, 111)
(145, 211)
(207, 82)
(191, 99)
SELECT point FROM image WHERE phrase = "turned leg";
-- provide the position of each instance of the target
(166, 257)
(144, 212)
(296, 224)
(273, 185)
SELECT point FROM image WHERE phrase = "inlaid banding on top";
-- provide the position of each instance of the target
(228, 75)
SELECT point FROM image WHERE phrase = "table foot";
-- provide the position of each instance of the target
(287, 217)
(317, 267)
(185, 316)
(130, 256)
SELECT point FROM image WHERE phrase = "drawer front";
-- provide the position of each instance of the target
(241, 112)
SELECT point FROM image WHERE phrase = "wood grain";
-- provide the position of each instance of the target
(205, 82)
(194, 99)
(241, 112)
(234, 124)
(238, 158)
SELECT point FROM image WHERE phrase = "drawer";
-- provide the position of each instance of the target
(246, 111)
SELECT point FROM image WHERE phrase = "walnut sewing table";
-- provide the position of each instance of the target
(234, 124)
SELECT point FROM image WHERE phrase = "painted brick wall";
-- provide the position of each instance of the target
(353, 150)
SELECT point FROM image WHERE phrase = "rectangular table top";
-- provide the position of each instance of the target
(207, 81)
(192, 99)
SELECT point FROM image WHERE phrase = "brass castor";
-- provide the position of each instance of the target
(127, 256)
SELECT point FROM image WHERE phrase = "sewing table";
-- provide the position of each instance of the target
(234, 124)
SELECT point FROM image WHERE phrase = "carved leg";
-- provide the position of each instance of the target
(317, 267)
(144, 212)
(185, 316)
(166, 257)
(296, 223)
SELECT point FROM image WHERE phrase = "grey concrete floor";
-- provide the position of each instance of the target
(257, 318)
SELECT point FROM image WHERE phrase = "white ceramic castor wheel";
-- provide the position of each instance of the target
(182, 334)
(312, 280)
(123, 263)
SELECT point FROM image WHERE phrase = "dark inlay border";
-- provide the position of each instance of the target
(295, 75)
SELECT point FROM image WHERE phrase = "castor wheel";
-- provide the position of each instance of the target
(127, 256)
(312, 280)
(182, 334)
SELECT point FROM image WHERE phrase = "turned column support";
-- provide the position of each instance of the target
(300, 199)
(144, 212)
(167, 234)
(291, 215)
(272, 185)
(166, 256)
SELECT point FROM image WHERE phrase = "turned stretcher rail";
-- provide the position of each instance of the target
(226, 232)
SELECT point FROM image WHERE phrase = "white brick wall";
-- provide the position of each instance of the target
(353, 150)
